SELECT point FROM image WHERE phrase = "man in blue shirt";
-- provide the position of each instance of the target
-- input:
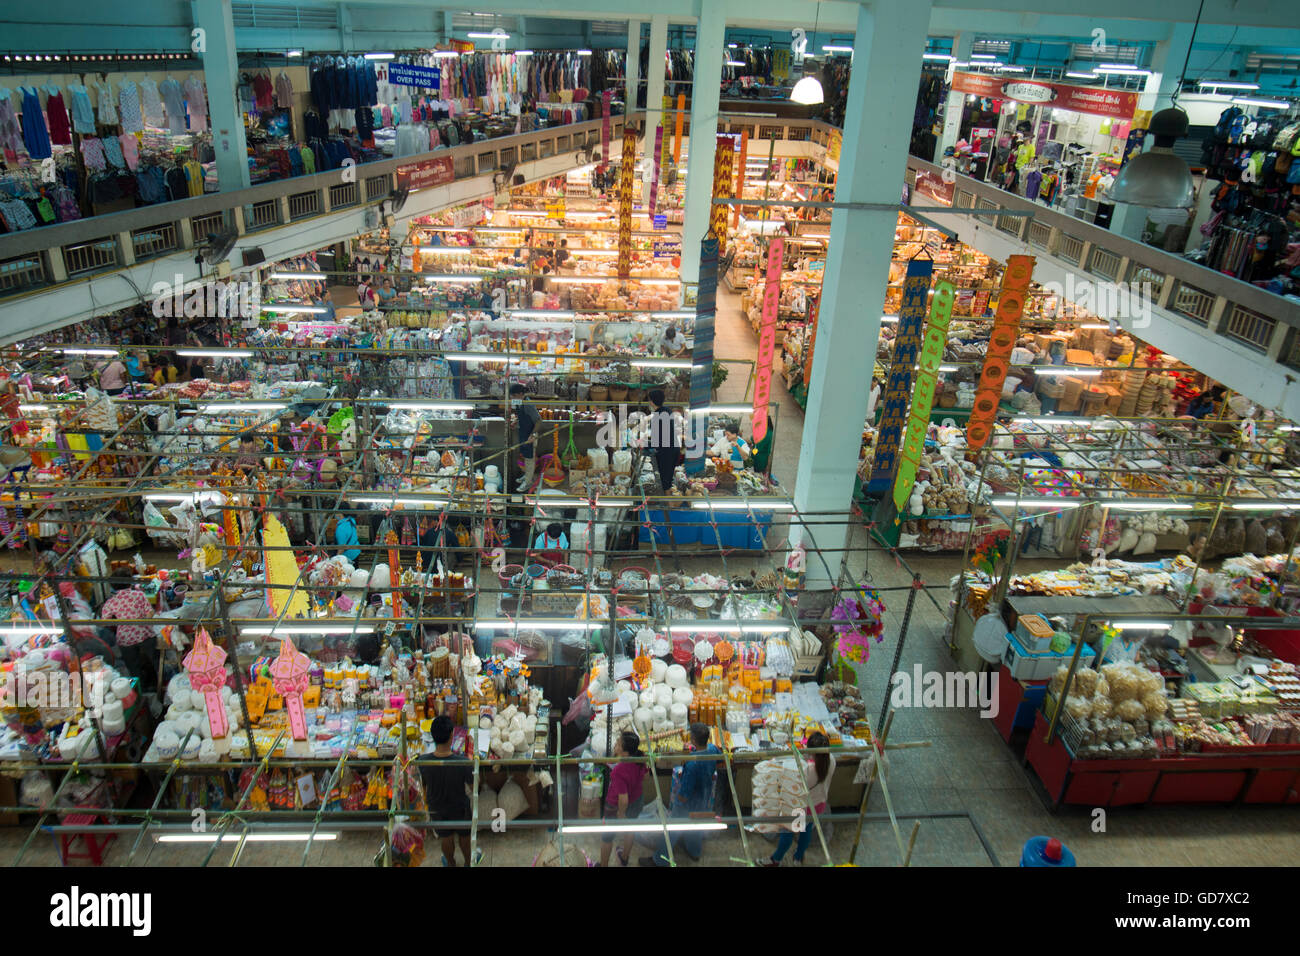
(345, 536)
(692, 794)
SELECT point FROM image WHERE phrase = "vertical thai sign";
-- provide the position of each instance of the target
(654, 171)
(927, 380)
(677, 131)
(907, 345)
(702, 350)
(740, 175)
(1006, 326)
(814, 311)
(722, 163)
(627, 164)
(605, 99)
(767, 338)
(668, 139)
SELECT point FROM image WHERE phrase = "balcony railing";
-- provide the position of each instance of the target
(1227, 307)
(35, 259)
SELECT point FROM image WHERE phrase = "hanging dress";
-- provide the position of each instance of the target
(129, 107)
(151, 103)
(170, 91)
(36, 137)
(107, 108)
(130, 150)
(83, 114)
(57, 114)
(11, 137)
(197, 99)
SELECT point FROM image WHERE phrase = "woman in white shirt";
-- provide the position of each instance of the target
(817, 772)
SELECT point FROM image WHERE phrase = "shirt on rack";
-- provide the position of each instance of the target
(128, 95)
(35, 136)
(130, 150)
(130, 603)
(262, 92)
(283, 91)
(107, 106)
(151, 102)
(92, 152)
(196, 97)
(194, 177)
(113, 152)
(170, 91)
(83, 114)
(16, 215)
(57, 114)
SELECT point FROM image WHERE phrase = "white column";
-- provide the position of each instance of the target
(221, 74)
(654, 93)
(961, 47)
(1166, 67)
(886, 62)
(633, 71)
(710, 44)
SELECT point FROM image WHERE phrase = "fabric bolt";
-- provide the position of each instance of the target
(113, 152)
(128, 604)
(170, 91)
(150, 101)
(92, 152)
(11, 137)
(60, 127)
(128, 97)
(36, 136)
(106, 103)
(130, 150)
(196, 97)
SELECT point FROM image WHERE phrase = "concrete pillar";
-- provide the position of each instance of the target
(709, 48)
(221, 74)
(632, 77)
(1166, 66)
(961, 47)
(654, 94)
(887, 57)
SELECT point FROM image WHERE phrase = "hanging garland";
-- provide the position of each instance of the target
(858, 620)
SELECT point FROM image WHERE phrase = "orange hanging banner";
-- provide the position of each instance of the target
(627, 164)
(1006, 326)
(722, 164)
(740, 176)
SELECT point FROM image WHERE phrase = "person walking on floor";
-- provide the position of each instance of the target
(446, 791)
(529, 418)
(693, 784)
(817, 772)
(665, 439)
(625, 795)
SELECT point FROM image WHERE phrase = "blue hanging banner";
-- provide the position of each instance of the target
(702, 352)
(409, 74)
(898, 387)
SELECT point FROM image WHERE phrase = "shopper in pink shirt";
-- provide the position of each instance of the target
(112, 376)
(623, 799)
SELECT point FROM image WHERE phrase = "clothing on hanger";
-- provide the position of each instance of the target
(36, 137)
(196, 98)
(129, 102)
(106, 102)
(170, 90)
(150, 102)
(60, 127)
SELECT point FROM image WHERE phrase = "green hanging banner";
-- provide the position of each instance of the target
(927, 380)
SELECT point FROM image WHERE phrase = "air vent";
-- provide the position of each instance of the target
(283, 16)
(1107, 54)
(996, 47)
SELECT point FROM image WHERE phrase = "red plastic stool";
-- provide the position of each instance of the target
(95, 845)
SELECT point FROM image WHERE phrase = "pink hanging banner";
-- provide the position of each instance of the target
(767, 338)
(605, 99)
(654, 176)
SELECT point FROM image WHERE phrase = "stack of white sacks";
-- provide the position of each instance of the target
(778, 792)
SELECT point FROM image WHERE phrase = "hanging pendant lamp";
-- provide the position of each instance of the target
(808, 91)
(1158, 179)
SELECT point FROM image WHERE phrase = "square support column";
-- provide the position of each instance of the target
(710, 36)
(221, 74)
(878, 122)
(632, 75)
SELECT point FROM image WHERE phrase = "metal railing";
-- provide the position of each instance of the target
(154, 241)
(82, 258)
(1229, 309)
(203, 226)
(344, 195)
(22, 273)
(262, 215)
(304, 206)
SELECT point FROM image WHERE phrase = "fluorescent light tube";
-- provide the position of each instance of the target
(735, 63)
(214, 353)
(523, 52)
(217, 407)
(1130, 504)
(936, 56)
(983, 56)
(1095, 325)
(541, 625)
(1142, 625)
(87, 351)
(640, 827)
(833, 48)
(583, 52)
(660, 363)
(247, 837)
(293, 308)
(1036, 503)
(430, 405)
(292, 630)
(379, 56)
(1265, 505)
(398, 501)
(1011, 69)
(572, 501)
(542, 314)
(314, 276)
(33, 408)
(744, 505)
(487, 36)
(1213, 84)
(1271, 104)
(723, 410)
(294, 53)
(445, 54)
(1081, 76)
(1122, 71)
(683, 314)
(430, 280)
(27, 630)
(1059, 370)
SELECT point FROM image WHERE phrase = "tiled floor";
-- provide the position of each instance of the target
(966, 770)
